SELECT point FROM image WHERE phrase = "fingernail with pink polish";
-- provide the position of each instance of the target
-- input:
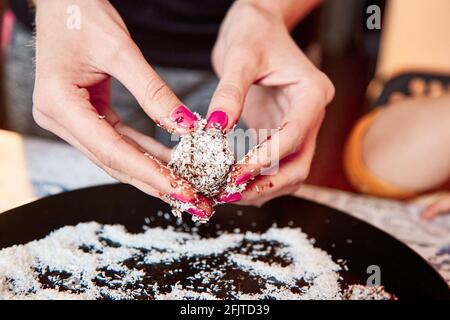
(181, 198)
(243, 179)
(234, 197)
(183, 117)
(217, 119)
(194, 211)
(198, 213)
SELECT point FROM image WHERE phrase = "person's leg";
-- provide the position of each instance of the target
(408, 144)
(403, 149)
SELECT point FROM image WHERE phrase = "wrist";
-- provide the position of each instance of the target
(288, 11)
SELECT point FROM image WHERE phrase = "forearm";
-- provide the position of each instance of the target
(290, 11)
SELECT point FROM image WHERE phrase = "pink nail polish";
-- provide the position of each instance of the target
(243, 179)
(198, 213)
(234, 197)
(217, 119)
(180, 197)
(183, 117)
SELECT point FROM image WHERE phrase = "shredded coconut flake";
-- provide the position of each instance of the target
(94, 261)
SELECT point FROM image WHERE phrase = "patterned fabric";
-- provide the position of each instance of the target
(430, 239)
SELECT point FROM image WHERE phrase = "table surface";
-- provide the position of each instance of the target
(31, 168)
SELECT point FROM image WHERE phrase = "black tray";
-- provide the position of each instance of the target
(403, 272)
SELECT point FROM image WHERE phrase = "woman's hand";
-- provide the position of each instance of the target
(440, 206)
(72, 97)
(267, 77)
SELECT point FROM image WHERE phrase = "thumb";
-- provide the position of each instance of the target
(237, 75)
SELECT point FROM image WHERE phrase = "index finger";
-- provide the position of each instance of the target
(154, 96)
(238, 74)
(115, 153)
(305, 111)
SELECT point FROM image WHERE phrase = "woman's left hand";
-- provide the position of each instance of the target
(266, 77)
(440, 206)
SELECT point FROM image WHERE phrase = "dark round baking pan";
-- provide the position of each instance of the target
(403, 272)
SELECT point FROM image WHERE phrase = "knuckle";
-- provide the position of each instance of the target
(39, 118)
(300, 176)
(117, 49)
(47, 100)
(248, 202)
(42, 106)
(229, 92)
(108, 155)
(123, 178)
(250, 199)
(156, 90)
(303, 175)
(293, 145)
(290, 189)
(242, 51)
(40, 100)
(324, 87)
(112, 174)
(107, 159)
(329, 89)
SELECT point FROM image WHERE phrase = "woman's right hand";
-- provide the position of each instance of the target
(71, 98)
